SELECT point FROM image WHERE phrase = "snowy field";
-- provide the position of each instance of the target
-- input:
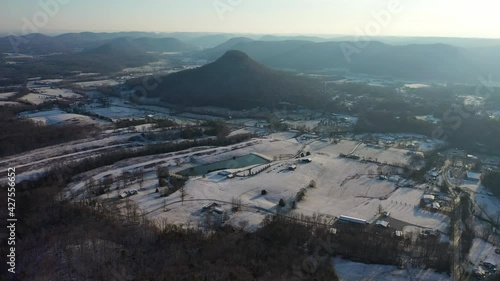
(56, 116)
(35, 99)
(391, 155)
(403, 205)
(354, 271)
(6, 96)
(416, 86)
(109, 82)
(117, 112)
(9, 103)
(344, 187)
(39, 83)
(308, 124)
(489, 205)
(48, 94)
(482, 251)
(64, 93)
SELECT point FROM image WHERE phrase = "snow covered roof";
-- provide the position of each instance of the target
(382, 223)
(429, 197)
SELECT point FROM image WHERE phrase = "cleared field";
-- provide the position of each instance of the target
(53, 117)
(354, 271)
(35, 99)
(117, 112)
(380, 154)
(6, 96)
(482, 251)
(62, 93)
(344, 186)
(9, 103)
(109, 82)
(48, 94)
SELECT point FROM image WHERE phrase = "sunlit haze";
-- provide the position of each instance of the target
(443, 18)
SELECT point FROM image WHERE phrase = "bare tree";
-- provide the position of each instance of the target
(162, 172)
(183, 194)
(124, 177)
(140, 177)
(235, 204)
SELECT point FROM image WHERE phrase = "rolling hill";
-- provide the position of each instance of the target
(439, 62)
(238, 82)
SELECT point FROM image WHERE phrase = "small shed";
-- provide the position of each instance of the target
(382, 223)
(436, 206)
(352, 219)
(429, 197)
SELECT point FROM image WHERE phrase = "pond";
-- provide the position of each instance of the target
(233, 163)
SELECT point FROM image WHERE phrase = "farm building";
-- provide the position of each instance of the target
(436, 206)
(352, 219)
(210, 206)
(428, 198)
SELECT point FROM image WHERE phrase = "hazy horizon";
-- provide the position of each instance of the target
(377, 18)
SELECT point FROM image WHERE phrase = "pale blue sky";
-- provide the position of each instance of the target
(450, 18)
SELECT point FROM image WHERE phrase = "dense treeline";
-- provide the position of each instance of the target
(388, 122)
(69, 241)
(236, 81)
(20, 135)
(491, 180)
(385, 110)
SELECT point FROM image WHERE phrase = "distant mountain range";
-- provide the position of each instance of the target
(238, 82)
(416, 61)
(70, 42)
(88, 52)
(108, 52)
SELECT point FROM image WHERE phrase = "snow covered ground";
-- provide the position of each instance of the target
(489, 204)
(416, 86)
(64, 93)
(482, 251)
(35, 99)
(56, 116)
(354, 271)
(117, 112)
(5, 96)
(109, 82)
(9, 103)
(344, 186)
(48, 94)
(308, 124)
